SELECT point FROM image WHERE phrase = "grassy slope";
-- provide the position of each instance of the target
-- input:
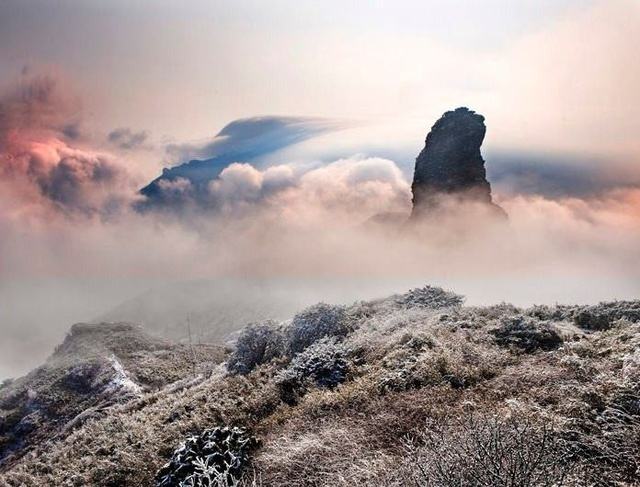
(412, 370)
(94, 369)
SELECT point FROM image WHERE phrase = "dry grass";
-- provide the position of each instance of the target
(425, 390)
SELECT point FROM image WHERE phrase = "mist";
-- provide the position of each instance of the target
(281, 238)
(318, 214)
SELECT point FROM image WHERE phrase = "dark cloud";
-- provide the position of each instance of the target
(36, 103)
(72, 131)
(249, 138)
(557, 177)
(44, 173)
(127, 139)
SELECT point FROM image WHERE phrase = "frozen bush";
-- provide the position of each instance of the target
(526, 334)
(83, 378)
(457, 364)
(257, 344)
(314, 323)
(606, 447)
(554, 313)
(213, 458)
(481, 450)
(430, 297)
(588, 319)
(603, 315)
(324, 364)
(619, 310)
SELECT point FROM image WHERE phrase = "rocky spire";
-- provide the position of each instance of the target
(451, 164)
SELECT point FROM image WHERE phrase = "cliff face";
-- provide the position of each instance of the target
(451, 165)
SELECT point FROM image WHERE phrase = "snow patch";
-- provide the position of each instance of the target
(121, 382)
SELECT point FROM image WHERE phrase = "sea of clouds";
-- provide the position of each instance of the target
(67, 216)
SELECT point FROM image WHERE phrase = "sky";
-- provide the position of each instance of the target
(314, 113)
(552, 75)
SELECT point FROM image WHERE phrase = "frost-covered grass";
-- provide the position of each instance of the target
(96, 367)
(414, 389)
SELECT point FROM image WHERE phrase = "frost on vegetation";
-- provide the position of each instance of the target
(213, 458)
(552, 313)
(603, 315)
(257, 344)
(430, 297)
(121, 381)
(421, 363)
(261, 343)
(526, 334)
(631, 369)
(590, 320)
(482, 450)
(324, 364)
(607, 445)
(314, 323)
(99, 377)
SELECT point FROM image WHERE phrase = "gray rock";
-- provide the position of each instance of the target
(451, 164)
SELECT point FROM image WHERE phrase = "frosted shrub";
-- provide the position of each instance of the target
(213, 458)
(257, 344)
(553, 313)
(603, 315)
(526, 334)
(631, 369)
(481, 450)
(430, 297)
(589, 319)
(314, 323)
(324, 364)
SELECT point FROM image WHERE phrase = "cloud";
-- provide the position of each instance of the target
(570, 86)
(248, 138)
(300, 226)
(351, 190)
(72, 131)
(244, 140)
(556, 177)
(34, 104)
(65, 211)
(40, 168)
(127, 139)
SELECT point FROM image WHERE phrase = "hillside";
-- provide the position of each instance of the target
(94, 369)
(414, 389)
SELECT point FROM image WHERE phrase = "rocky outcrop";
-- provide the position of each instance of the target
(451, 166)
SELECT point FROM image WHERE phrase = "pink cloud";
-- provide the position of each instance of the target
(41, 165)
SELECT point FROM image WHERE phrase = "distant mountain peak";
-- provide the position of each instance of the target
(242, 140)
(451, 165)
